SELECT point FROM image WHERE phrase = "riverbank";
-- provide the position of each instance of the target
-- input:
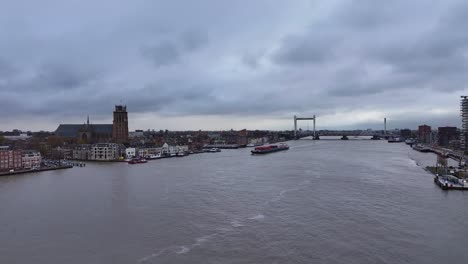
(35, 170)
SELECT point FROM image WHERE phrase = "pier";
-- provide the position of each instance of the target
(449, 182)
(9, 173)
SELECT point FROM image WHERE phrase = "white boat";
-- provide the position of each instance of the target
(154, 156)
(395, 140)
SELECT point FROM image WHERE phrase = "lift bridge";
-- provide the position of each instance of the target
(316, 134)
(303, 118)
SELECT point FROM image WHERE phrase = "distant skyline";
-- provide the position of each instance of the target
(217, 65)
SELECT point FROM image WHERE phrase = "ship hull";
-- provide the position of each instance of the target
(267, 151)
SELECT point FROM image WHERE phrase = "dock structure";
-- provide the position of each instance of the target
(449, 182)
(221, 146)
(9, 173)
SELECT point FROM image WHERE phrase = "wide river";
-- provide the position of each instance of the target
(356, 201)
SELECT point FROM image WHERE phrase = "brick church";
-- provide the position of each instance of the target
(88, 133)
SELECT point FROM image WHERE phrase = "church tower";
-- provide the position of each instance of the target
(120, 124)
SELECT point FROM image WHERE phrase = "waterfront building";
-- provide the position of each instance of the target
(424, 134)
(258, 141)
(31, 159)
(166, 149)
(405, 133)
(446, 134)
(130, 153)
(10, 159)
(105, 152)
(455, 144)
(145, 152)
(81, 152)
(120, 124)
(183, 148)
(242, 138)
(464, 119)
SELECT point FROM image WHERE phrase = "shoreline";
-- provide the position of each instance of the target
(33, 171)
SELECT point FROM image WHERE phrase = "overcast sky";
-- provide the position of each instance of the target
(232, 64)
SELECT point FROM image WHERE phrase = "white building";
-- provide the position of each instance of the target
(147, 152)
(183, 148)
(31, 159)
(130, 153)
(168, 150)
(105, 151)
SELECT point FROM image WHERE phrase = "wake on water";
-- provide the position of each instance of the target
(180, 250)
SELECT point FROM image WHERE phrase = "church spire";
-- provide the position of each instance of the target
(87, 122)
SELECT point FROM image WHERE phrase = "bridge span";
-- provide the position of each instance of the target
(321, 133)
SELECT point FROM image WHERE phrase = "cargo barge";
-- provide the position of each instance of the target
(270, 148)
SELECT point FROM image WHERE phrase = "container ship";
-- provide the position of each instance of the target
(270, 148)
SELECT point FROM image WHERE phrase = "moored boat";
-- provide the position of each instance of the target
(421, 148)
(215, 150)
(270, 148)
(137, 161)
(395, 140)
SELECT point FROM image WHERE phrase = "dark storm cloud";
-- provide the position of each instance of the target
(231, 58)
(6, 69)
(378, 35)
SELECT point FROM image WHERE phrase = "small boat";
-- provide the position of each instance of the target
(251, 145)
(215, 150)
(154, 156)
(137, 161)
(421, 148)
(181, 154)
(395, 140)
(270, 148)
(410, 141)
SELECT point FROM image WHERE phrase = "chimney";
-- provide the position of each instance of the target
(385, 126)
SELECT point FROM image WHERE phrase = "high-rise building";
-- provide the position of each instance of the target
(464, 119)
(405, 133)
(424, 134)
(445, 135)
(120, 125)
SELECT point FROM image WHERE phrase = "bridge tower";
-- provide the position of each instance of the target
(304, 118)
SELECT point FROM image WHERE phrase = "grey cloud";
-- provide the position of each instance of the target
(193, 40)
(313, 48)
(161, 54)
(170, 51)
(6, 69)
(229, 58)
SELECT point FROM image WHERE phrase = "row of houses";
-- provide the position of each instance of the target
(114, 151)
(19, 159)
